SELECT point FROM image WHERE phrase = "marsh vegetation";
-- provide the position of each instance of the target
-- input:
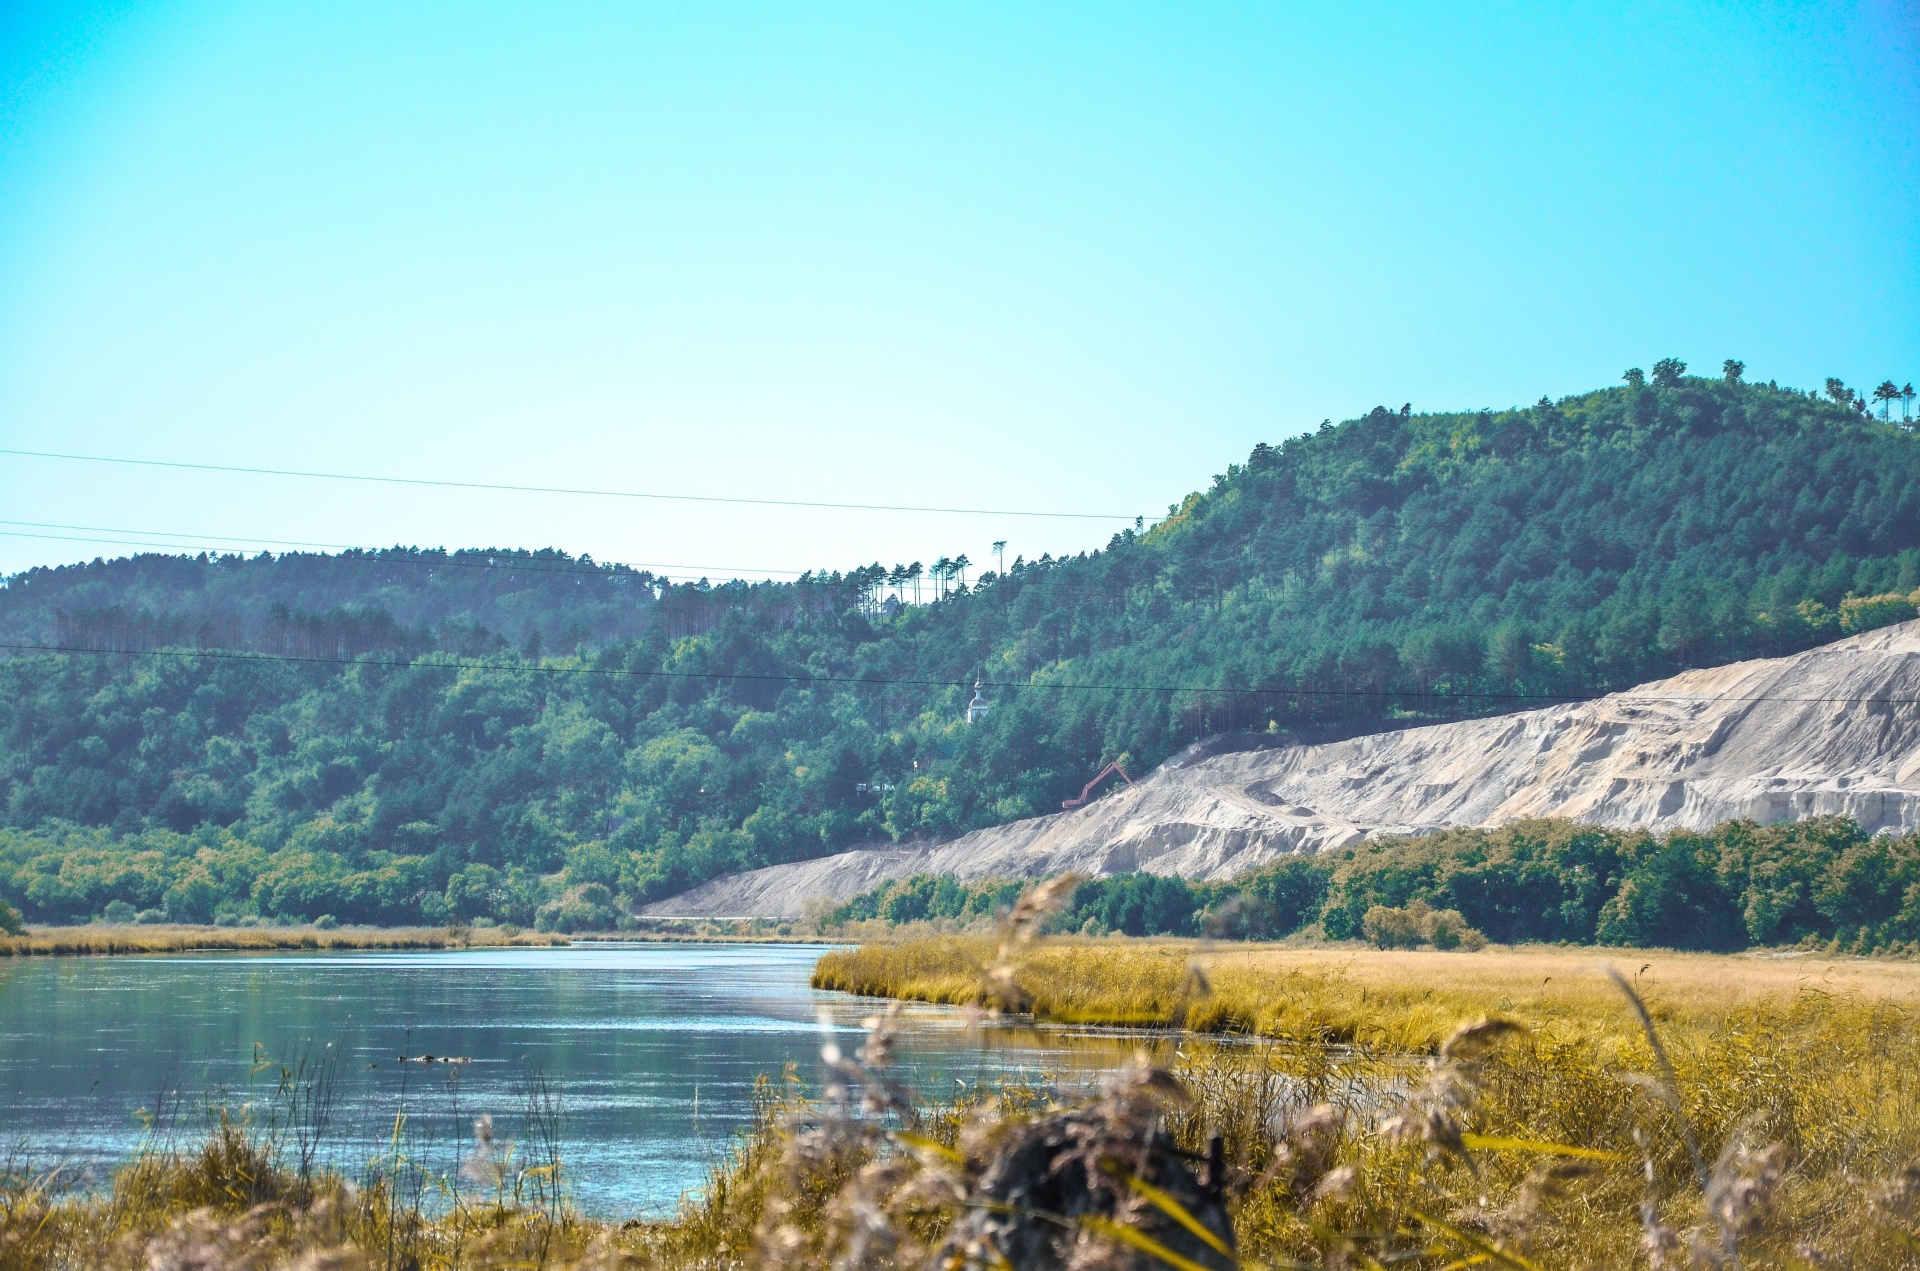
(1345, 1108)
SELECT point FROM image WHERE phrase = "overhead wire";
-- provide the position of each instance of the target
(505, 487)
(367, 555)
(381, 556)
(803, 679)
(429, 557)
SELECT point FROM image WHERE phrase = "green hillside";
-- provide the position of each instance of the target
(417, 745)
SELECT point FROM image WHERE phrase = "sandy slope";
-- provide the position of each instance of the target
(1833, 730)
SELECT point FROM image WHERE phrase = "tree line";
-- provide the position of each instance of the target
(1819, 882)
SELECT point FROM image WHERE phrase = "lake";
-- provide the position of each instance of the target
(653, 1050)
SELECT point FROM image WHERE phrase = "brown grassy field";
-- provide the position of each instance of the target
(1394, 1000)
(107, 938)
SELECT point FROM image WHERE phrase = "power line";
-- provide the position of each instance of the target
(546, 489)
(369, 555)
(804, 679)
(187, 541)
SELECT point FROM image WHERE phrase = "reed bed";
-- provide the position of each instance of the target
(1390, 1000)
(102, 939)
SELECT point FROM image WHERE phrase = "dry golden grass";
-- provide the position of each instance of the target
(1799, 1075)
(104, 938)
(1386, 999)
(233, 1204)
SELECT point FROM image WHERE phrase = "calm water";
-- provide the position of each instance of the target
(654, 1049)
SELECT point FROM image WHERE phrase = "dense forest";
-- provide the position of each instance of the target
(405, 735)
(1820, 881)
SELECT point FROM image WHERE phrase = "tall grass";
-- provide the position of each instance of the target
(1391, 1000)
(1795, 1082)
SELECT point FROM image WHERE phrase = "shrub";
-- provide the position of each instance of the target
(1388, 928)
(1447, 929)
(587, 908)
(474, 891)
(119, 911)
(1289, 895)
(1417, 924)
(10, 923)
(192, 899)
(325, 922)
(1864, 613)
(150, 917)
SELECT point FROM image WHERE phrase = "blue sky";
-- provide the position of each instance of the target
(961, 254)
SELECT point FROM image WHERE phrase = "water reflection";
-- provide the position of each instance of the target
(654, 1049)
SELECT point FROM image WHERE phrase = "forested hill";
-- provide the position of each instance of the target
(1395, 564)
(399, 600)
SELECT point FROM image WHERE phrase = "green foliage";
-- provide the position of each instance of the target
(1396, 565)
(10, 922)
(931, 896)
(1738, 885)
(589, 907)
(1820, 880)
(1864, 613)
(1137, 905)
(1132, 904)
(1419, 924)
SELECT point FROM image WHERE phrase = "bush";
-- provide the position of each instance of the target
(1864, 613)
(587, 908)
(1387, 928)
(192, 899)
(325, 922)
(1136, 904)
(10, 923)
(150, 917)
(119, 911)
(1417, 924)
(1447, 929)
(1289, 895)
(473, 892)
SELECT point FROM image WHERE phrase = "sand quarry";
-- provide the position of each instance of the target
(1834, 730)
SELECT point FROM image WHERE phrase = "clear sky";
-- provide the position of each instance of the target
(1070, 258)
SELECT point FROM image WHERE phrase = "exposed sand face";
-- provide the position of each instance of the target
(1835, 730)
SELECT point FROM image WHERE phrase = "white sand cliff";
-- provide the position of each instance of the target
(1835, 730)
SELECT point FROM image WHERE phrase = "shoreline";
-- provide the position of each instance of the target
(108, 940)
(132, 940)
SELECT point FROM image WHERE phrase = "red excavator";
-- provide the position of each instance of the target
(1087, 792)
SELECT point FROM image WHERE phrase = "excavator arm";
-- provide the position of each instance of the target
(1087, 791)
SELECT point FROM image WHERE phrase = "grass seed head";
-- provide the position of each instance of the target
(1743, 1185)
(1473, 1042)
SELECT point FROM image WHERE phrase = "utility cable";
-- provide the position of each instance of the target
(190, 542)
(548, 489)
(804, 679)
(368, 555)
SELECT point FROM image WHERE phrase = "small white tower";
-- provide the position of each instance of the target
(979, 706)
